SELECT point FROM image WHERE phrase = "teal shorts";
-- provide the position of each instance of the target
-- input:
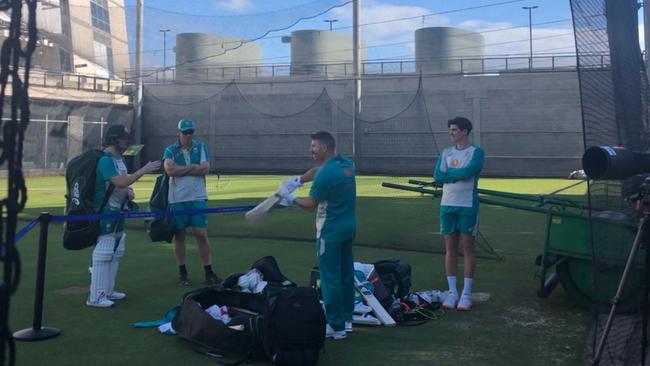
(197, 221)
(457, 219)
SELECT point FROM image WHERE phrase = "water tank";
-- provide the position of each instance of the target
(441, 49)
(203, 56)
(321, 53)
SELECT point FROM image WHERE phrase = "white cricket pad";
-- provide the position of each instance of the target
(101, 268)
(115, 263)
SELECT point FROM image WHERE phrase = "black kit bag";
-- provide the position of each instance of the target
(80, 178)
(293, 331)
(239, 339)
(160, 228)
(284, 325)
(395, 275)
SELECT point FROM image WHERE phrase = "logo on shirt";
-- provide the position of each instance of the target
(347, 172)
(454, 162)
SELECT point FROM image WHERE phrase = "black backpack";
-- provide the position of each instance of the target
(293, 330)
(80, 194)
(160, 228)
(395, 275)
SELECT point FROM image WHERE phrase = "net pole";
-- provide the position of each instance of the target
(357, 78)
(139, 40)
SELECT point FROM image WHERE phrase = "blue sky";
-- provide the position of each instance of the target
(503, 23)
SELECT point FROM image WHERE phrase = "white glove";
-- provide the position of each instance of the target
(293, 183)
(287, 200)
(289, 185)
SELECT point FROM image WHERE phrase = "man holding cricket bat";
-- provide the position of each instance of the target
(333, 192)
(458, 168)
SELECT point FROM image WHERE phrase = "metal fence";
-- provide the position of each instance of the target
(46, 143)
(485, 65)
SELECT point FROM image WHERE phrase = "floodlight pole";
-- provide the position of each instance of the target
(530, 32)
(164, 32)
(331, 21)
(137, 115)
(356, 60)
(646, 32)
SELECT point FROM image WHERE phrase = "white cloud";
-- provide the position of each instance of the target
(234, 6)
(502, 38)
(372, 34)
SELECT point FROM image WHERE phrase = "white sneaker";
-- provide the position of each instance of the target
(465, 303)
(348, 327)
(115, 295)
(361, 308)
(103, 302)
(450, 301)
(334, 334)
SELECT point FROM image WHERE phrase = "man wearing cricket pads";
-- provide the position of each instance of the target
(458, 168)
(333, 192)
(111, 242)
(187, 163)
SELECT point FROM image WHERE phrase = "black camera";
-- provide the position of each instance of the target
(614, 162)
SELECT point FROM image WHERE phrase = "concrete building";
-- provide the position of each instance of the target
(441, 49)
(204, 56)
(318, 53)
(84, 36)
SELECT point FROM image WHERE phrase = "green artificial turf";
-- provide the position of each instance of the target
(512, 327)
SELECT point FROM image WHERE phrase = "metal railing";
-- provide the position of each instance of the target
(441, 66)
(67, 80)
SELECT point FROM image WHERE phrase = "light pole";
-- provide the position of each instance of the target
(164, 32)
(530, 32)
(331, 21)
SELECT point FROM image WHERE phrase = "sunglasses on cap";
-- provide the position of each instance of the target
(188, 132)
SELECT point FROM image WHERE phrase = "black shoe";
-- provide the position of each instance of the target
(183, 280)
(211, 279)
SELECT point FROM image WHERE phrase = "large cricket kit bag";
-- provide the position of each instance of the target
(80, 178)
(284, 324)
(395, 276)
(160, 228)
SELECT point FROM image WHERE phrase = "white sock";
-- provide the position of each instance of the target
(467, 286)
(451, 280)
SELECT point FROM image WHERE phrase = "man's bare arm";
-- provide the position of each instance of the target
(200, 169)
(306, 203)
(174, 170)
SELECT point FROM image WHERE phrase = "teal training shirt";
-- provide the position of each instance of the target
(459, 170)
(187, 188)
(334, 188)
(108, 167)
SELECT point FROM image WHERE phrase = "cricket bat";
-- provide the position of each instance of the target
(258, 212)
(372, 301)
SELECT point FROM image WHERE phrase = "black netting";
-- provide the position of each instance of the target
(614, 112)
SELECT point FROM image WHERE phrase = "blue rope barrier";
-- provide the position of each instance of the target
(27, 228)
(131, 215)
(139, 215)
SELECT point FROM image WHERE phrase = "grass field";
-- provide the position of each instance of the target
(512, 327)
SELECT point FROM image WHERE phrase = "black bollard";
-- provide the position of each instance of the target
(38, 332)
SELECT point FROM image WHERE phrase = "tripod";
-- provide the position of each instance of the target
(641, 237)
